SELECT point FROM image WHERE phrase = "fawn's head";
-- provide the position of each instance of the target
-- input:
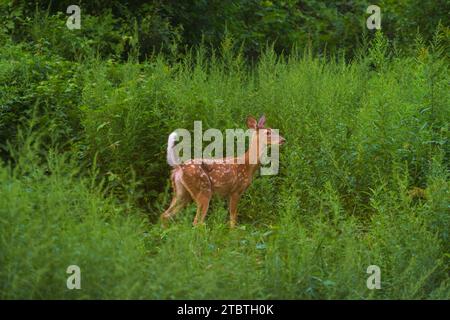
(271, 137)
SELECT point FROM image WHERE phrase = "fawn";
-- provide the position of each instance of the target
(198, 180)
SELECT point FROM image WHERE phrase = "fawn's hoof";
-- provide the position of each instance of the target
(164, 221)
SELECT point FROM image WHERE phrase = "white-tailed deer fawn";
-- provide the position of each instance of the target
(198, 180)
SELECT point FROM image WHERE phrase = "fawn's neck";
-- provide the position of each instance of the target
(253, 155)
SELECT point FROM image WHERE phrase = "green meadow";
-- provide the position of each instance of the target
(363, 179)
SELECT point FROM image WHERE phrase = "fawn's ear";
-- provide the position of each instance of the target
(251, 123)
(262, 122)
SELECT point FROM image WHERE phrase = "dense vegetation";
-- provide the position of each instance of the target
(364, 179)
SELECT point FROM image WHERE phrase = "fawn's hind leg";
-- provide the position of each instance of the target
(181, 198)
(197, 183)
(202, 201)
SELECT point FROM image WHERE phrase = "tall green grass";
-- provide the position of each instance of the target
(359, 134)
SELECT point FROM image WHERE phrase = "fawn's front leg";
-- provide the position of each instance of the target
(234, 199)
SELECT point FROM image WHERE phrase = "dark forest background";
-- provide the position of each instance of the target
(118, 27)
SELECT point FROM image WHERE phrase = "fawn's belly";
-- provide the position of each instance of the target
(222, 191)
(226, 185)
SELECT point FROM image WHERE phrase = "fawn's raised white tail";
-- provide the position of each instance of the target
(171, 157)
(198, 180)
